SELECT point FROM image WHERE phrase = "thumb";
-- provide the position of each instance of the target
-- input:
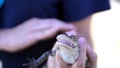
(82, 54)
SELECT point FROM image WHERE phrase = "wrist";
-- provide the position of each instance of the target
(4, 39)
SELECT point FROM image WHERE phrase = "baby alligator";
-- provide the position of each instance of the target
(35, 63)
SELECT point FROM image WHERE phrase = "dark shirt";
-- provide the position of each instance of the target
(14, 12)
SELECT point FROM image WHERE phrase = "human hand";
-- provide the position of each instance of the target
(31, 31)
(57, 61)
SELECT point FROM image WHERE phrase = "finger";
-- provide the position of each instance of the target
(82, 58)
(92, 57)
(43, 24)
(62, 26)
(51, 63)
(66, 27)
(42, 27)
(82, 43)
(46, 34)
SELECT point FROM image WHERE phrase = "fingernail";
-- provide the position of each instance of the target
(81, 41)
(70, 33)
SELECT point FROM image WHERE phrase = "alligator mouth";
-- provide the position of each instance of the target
(64, 39)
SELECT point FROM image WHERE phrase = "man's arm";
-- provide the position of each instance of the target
(83, 28)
